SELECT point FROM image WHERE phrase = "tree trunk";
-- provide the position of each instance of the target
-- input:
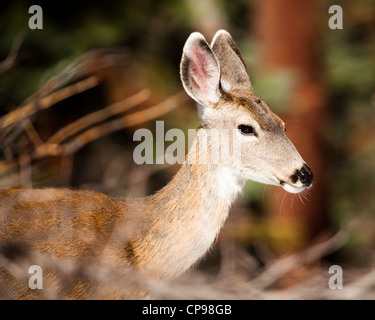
(288, 34)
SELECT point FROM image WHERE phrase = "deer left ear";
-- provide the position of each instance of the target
(200, 70)
(234, 75)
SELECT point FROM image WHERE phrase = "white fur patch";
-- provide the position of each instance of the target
(292, 189)
(229, 184)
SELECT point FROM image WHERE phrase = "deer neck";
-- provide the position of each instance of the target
(188, 214)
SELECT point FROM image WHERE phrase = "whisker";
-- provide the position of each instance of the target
(264, 191)
(300, 197)
(294, 196)
(282, 202)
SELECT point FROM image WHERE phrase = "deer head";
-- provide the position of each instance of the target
(216, 77)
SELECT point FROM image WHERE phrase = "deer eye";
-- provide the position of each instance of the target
(246, 130)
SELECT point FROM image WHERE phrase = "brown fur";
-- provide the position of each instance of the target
(92, 230)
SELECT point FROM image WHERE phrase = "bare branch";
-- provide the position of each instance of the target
(32, 133)
(10, 60)
(283, 266)
(111, 126)
(98, 116)
(125, 121)
(46, 102)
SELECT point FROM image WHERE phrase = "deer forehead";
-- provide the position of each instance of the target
(248, 105)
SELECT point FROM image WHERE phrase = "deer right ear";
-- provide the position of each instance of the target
(200, 70)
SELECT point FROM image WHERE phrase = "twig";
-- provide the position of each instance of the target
(111, 126)
(284, 265)
(32, 133)
(25, 170)
(158, 110)
(46, 102)
(10, 60)
(125, 122)
(86, 65)
(98, 116)
(356, 289)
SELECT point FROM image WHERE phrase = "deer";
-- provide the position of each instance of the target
(163, 234)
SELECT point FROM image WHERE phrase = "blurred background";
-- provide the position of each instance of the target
(73, 93)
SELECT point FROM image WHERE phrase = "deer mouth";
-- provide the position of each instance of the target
(292, 188)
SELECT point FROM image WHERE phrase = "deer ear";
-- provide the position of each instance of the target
(200, 70)
(234, 75)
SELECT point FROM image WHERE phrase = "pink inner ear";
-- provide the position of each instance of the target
(200, 64)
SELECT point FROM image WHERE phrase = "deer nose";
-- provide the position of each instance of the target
(305, 175)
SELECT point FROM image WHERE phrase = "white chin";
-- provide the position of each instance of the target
(292, 189)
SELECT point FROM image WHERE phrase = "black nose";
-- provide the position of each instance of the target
(305, 175)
